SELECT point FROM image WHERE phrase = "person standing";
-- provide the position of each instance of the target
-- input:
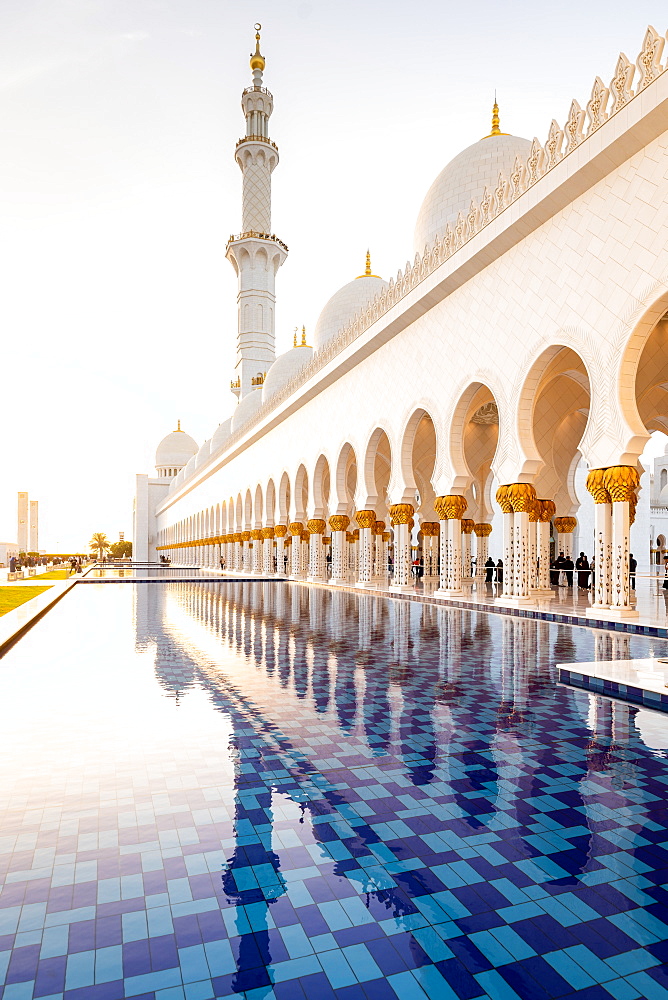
(568, 566)
(582, 566)
(499, 571)
(633, 565)
(489, 570)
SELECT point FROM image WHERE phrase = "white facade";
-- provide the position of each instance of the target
(7, 550)
(526, 340)
(33, 534)
(23, 521)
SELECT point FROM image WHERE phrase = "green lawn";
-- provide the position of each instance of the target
(53, 574)
(11, 597)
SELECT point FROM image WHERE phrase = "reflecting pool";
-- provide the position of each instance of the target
(270, 790)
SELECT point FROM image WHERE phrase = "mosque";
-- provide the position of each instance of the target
(499, 390)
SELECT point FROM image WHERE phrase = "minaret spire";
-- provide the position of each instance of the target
(496, 121)
(256, 253)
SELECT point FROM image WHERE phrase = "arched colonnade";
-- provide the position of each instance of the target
(361, 510)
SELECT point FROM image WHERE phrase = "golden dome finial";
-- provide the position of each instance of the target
(257, 59)
(367, 269)
(303, 343)
(178, 427)
(495, 121)
(294, 338)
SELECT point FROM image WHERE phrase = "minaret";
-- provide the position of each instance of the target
(256, 254)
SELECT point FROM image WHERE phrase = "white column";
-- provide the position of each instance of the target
(296, 533)
(543, 556)
(316, 570)
(401, 515)
(366, 520)
(280, 532)
(520, 497)
(256, 536)
(338, 524)
(268, 547)
(467, 529)
(508, 553)
(482, 532)
(450, 509)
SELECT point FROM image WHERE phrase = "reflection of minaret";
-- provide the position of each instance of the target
(256, 254)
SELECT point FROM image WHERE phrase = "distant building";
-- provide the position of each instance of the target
(7, 550)
(23, 522)
(33, 534)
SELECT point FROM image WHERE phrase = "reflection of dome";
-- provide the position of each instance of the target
(652, 729)
(343, 305)
(246, 408)
(463, 179)
(173, 452)
(284, 367)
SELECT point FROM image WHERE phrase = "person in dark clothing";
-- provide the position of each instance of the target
(489, 570)
(633, 565)
(568, 566)
(499, 571)
(582, 566)
(554, 573)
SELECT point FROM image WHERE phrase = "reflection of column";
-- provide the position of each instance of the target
(602, 540)
(316, 527)
(467, 528)
(621, 481)
(401, 515)
(296, 534)
(565, 527)
(366, 520)
(482, 533)
(338, 523)
(504, 502)
(280, 531)
(450, 510)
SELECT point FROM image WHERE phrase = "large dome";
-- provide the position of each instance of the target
(284, 367)
(343, 305)
(175, 450)
(466, 177)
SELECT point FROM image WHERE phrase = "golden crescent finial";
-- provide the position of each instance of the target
(496, 122)
(367, 270)
(257, 59)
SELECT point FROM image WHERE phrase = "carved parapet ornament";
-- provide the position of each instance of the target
(621, 482)
(339, 522)
(468, 524)
(316, 526)
(503, 499)
(280, 530)
(565, 525)
(522, 497)
(296, 528)
(450, 507)
(597, 487)
(482, 530)
(401, 513)
(366, 518)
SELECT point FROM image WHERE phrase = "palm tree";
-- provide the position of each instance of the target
(99, 542)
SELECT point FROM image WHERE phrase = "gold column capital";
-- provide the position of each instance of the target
(339, 522)
(256, 534)
(401, 513)
(597, 486)
(365, 518)
(522, 497)
(565, 525)
(245, 536)
(379, 527)
(316, 526)
(547, 510)
(468, 524)
(621, 482)
(482, 530)
(503, 499)
(280, 530)
(296, 528)
(450, 507)
(267, 532)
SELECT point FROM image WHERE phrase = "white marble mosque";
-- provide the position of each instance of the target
(495, 396)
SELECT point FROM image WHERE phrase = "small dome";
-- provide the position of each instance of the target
(221, 434)
(203, 453)
(463, 179)
(190, 467)
(246, 408)
(175, 450)
(343, 305)
(284, 367)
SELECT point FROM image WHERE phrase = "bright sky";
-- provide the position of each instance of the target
(118, 191)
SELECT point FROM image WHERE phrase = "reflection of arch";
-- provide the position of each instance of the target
(321, 487)
(301, 493)
(345, 480)
(376, 472)
(284, 499)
